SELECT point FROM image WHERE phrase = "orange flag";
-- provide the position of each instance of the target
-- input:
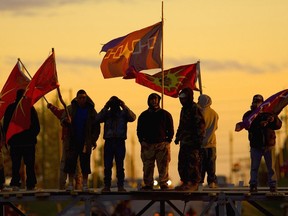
(175, 79)
(136, 51)
(16, 80)
(44, 81)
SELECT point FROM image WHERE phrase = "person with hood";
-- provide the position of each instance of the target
(155, 131)
(22, 145)
(83, 132)
(190, 134)
(208, 147)
(262, 139)
(115, 115)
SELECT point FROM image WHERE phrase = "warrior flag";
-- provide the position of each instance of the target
(139, 50)
(175, 79)
(44, 81)
(274, 104)
(16, 80)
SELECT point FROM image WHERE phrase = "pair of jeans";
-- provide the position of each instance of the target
(114, 148)
(269, 157)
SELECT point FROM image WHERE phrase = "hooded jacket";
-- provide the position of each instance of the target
(115, 121)
(155, 125)
(211, 121)
(92, 127)
(191, 127)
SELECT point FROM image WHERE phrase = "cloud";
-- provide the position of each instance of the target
(76, 61)
(211, 65)
(24, 6)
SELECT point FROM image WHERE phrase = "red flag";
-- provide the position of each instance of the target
(274, 104)
(44, 81)
(175, 79)
(136, 51)
(16, 80)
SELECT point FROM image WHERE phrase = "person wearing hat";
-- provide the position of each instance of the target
(262, 138)
(208, 148)
(155, 131)
(190, 134)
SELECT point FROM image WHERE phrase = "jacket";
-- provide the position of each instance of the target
(115, 123)
(27, 137)
(191, 127)
(211, 121)
(92, 128)
(262, 137)
(155, 126)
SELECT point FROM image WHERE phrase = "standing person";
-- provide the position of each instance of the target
(262, 138)
(2, 143)
(190, 134)
(82, 135)
(155, 131)
(22, 145)
(63, 176)
(115, 116)
(208, 147)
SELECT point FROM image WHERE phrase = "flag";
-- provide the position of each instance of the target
(16, 80)
(175, 79)
(44, 81)
(274, 104)
(136, 51)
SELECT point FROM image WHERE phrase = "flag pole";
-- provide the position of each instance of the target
(162, 66)
(199, 77)
(30, 75)
(60, 95)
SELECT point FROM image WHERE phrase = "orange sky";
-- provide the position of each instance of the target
(242, 47)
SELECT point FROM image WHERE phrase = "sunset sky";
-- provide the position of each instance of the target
(242, 47)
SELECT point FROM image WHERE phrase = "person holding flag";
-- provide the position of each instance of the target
(83, 132)
(63, 176)
(262, 138)
(22, 145)
(2, 143)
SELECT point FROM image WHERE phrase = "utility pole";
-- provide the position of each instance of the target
(231, 154)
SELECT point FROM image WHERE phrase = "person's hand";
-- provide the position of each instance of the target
(270, 119)
(239, 126)
(263, 123)
(66, 122)
(121, 103)
(176, 141)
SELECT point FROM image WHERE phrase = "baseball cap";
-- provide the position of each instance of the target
(258, 97)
